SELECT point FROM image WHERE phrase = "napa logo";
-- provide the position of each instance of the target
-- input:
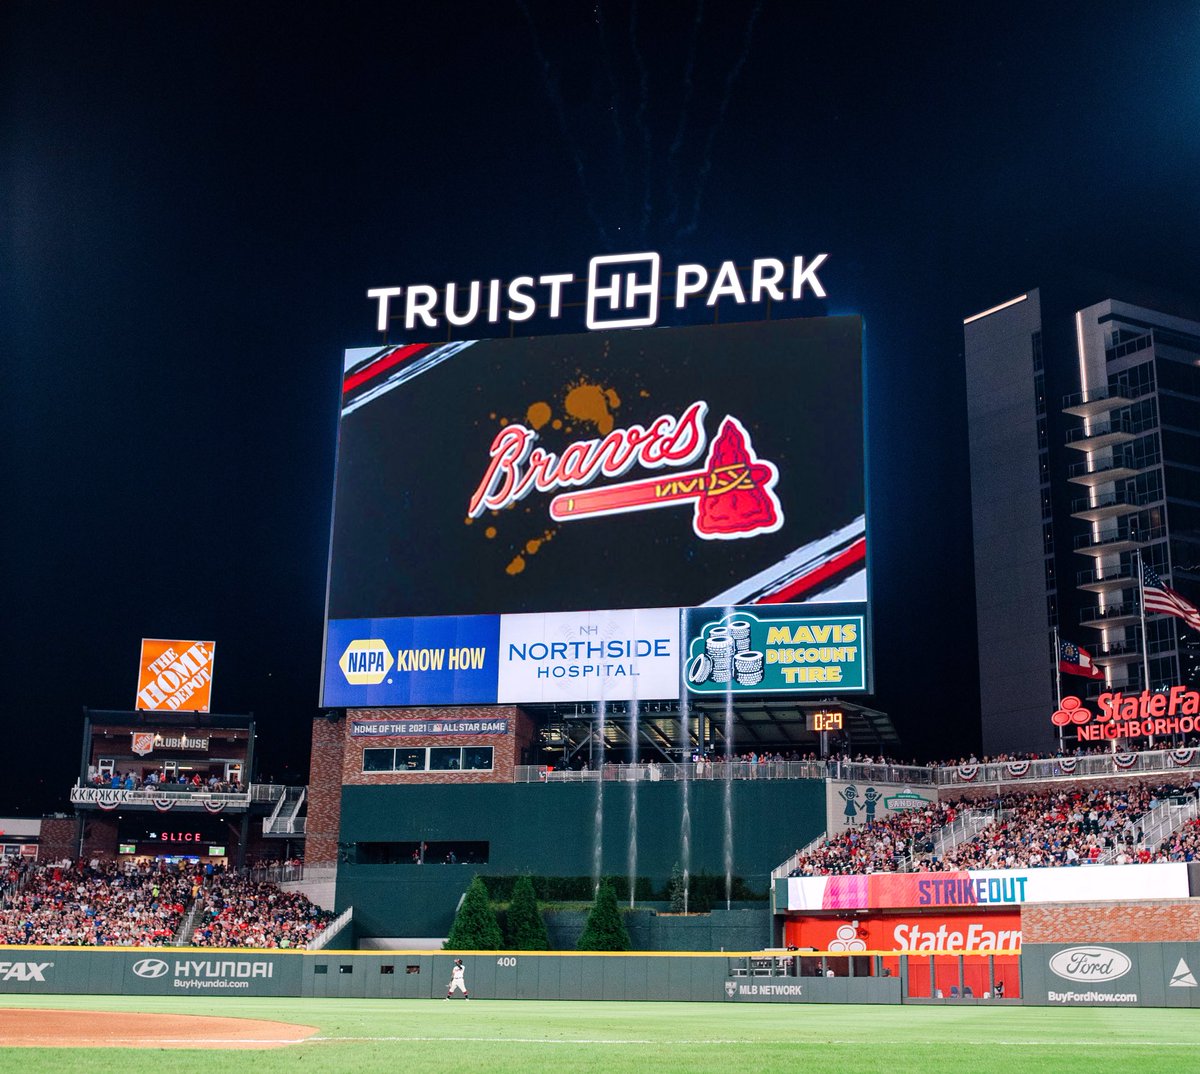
(366, 662)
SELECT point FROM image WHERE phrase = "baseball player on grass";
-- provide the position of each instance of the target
(457, 980)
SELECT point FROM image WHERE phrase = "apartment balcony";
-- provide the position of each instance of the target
(1091, 404)
(1105, 579)
(1123, 652)
(1093, 472)
(1107, 505)
(1112, 615)
(1102, 434)
(1114, 541)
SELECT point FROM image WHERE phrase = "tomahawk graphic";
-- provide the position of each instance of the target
(733, 494)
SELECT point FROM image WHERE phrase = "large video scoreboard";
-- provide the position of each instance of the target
(524, 520)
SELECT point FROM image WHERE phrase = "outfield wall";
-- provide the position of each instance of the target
(1111, 975)
(745, 977)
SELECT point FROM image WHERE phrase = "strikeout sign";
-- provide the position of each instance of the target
(175, 676)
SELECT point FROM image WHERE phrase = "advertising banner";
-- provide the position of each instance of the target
(1116, 974)
(429, 661)
(854, 804)
(995, 887)
(590, 656)
(175, 676)
(774, 649)
(423, 728)
(720, 464)
(990, 930)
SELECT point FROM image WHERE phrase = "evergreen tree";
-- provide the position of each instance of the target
(677, 891)
(605, 929)
(526, 929)
(475, 927)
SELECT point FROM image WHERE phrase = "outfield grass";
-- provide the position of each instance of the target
(509, 1037)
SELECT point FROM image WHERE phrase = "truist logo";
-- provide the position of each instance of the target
(1090, 964)
(732, 495)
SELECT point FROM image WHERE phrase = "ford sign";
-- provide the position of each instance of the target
(150, 967)
(1090, 964)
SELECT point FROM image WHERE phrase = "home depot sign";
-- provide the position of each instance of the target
(175, 676)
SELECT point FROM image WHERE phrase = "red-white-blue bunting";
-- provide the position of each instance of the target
(1182, 758)
(1017, 768)
(968, 772)
(214, 807)
(107, 803)
(164, 804)
(1066, 765)
(1125, 760)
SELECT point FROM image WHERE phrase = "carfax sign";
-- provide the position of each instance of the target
(774, 649)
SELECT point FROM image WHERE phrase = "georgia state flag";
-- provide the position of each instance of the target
(1072, 660)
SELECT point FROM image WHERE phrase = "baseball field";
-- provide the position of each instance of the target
(56, 1033)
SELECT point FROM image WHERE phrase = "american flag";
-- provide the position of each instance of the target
(1160, 600)
(1076, 661)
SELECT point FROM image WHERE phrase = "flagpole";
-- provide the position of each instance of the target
(1058, 678)
(1142, 611)
(1141, 575)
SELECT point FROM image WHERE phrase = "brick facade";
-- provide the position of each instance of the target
(1157, 921)
(99, 837)
(325, 791)
(508, 748)
(58, 839)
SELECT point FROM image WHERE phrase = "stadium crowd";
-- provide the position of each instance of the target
(105, 904)
(1065, 827)
(98, 904)
(236, 911)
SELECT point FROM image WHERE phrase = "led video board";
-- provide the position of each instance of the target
(493, 496)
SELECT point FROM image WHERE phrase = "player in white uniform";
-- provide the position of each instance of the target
(458, 980)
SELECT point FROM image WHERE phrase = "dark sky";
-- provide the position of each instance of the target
(194, 199)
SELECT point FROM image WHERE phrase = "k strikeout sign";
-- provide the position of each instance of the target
(175, 676)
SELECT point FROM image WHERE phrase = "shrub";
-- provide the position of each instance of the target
(605, 929)
(475, 927)
(525, 927)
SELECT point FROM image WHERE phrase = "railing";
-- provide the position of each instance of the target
(655, 772)
(1111, 499)
(965, 826)
(786, 868)
(1093, 395)
(1118, 535)
(1123, 575)
(287, 821)
(1121, 461)
(332, 929)
(1104, 428)
(1096, 614)
(267, 792)
(111, 797)
(1005, 773)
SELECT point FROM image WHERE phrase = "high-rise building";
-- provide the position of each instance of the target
(1084, 429)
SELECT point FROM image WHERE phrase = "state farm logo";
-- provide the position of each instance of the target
(732, 495)
(1090, 964)
(150, 968)
(1072, 711)
(365, 662)
(24, 971)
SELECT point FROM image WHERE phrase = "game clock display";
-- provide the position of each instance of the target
(824, 721)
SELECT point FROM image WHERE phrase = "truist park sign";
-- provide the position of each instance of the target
(623, 291)
(530, 519)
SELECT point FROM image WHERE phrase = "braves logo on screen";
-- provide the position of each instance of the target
(732, 495)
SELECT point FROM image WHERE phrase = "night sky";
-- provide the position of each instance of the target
(194, 199)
